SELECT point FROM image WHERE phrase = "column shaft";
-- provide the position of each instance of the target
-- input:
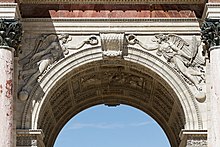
(215, 94)
(6, 96)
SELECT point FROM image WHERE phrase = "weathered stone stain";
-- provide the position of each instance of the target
(1, 90)
(8, 88)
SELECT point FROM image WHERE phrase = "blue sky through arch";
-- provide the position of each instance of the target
(121, 126)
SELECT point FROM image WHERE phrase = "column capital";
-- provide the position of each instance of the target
(210, 32)
(10, 33)
(193, 138)
(29, 137)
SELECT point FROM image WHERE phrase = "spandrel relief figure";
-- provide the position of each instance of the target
(48, 51)
(179, 54)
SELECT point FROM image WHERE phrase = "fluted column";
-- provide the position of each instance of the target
(10, 35)
(211, 39)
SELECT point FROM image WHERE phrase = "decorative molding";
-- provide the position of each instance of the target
(194, 138)
(9, 11)
(10, 33)
(88, 26)
(211, 11)
(110, 19)
(112, 1)
(27, 137)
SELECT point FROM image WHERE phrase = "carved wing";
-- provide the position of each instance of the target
(45, 41)
(178, 41)
(190, 50)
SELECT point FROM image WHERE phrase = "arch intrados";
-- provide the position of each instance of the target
(169, 134)
(120, 98)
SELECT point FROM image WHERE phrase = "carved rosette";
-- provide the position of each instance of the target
(210, 32)
(10, 33)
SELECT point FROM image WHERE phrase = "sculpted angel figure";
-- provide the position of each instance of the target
(49, 50)
(176, 51)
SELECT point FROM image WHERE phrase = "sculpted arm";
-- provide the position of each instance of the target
(132, 40)
(92, 40)
(149, 47)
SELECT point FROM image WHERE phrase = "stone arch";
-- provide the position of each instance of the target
(172, 104)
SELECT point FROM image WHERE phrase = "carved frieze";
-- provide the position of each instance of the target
(10, 33)
(196, 143)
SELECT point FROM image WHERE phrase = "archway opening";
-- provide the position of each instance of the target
(112, 84)
(112, 126)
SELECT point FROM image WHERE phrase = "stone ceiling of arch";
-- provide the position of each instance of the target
(112, 85)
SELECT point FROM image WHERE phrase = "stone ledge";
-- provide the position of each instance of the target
(112, 1)
(212, 11)
(9, 11)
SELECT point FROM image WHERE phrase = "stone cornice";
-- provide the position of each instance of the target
(9, 10)
(112, 1)
(211, 10)
(110, 19)
(95, 25)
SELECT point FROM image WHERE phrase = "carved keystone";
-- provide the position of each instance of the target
(113, 44)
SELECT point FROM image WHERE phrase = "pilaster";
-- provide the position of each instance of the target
(10, 37)
(211, 39)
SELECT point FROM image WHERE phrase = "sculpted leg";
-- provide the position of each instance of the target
(183, 69)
